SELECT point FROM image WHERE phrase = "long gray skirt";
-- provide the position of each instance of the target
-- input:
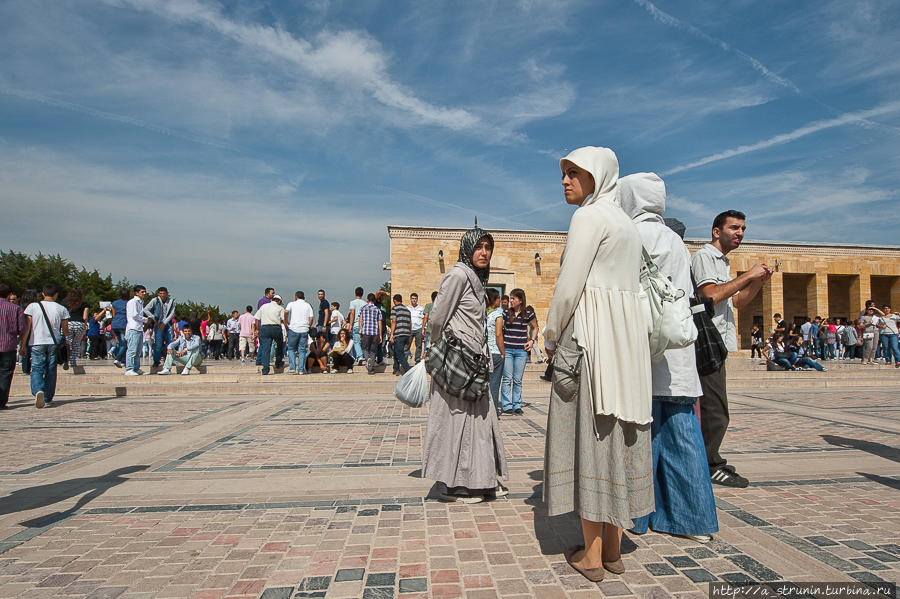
(463, 446)
(609, 479)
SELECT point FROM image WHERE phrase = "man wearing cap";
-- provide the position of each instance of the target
(270, 316)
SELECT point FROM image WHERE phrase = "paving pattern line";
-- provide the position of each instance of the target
(847, 414)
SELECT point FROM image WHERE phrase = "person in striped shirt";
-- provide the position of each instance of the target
(401, 330)
(370, 331)
(516, 343)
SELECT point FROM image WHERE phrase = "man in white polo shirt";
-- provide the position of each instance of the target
(270, 316)
(711, 271)
(298, 316)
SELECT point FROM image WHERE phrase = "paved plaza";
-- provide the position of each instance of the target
(277, 494)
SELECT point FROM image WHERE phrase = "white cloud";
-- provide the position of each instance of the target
(847, 118)
(209, 237)
(821, 204)
(341, 57)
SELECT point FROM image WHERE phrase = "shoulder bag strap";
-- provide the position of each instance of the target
(49, 326)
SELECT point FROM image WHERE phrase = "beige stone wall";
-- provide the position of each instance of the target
(415, 266)
(821, 279)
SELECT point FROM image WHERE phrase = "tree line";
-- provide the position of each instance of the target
(21, 272)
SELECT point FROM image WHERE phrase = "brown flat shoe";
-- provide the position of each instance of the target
(592, 574)
(616, 567)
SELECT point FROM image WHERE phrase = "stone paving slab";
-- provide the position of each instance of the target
(319, 496)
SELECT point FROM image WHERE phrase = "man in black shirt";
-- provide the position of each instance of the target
(324, 316)
(780, 325)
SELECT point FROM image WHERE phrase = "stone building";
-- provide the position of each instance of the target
(811, 279)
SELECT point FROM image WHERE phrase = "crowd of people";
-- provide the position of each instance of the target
(871, 338)
(631, 443)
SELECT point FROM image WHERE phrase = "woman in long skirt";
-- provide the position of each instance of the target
(598, 454)
(463, 448)
(685, 505)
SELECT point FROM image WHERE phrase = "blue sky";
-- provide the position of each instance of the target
(220, 147)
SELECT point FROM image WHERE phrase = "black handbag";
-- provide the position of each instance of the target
(62, 350)
(709, 348)
(459, 371)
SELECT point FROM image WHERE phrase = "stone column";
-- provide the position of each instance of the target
(860, 290)
(772, 300)
(817, 295)
(895, 294)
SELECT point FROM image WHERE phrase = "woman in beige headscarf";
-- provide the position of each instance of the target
(598, 458)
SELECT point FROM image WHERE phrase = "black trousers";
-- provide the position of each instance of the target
(98, 346)
(344, 359)
(714, 416)
(232, 351)
(7, 368)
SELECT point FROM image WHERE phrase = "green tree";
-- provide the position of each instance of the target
(21, 271)
(183, 310)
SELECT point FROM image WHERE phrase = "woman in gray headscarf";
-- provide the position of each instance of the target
(463, 448)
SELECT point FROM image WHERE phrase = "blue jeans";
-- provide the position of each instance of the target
(400, 362)
(809, 363)
(683, 491)
(161, 340)
(270, 334)
(121, 347)
(135, 340)
(43, 370)
(26, 361)
(357, 344)
(783, 362)
(297, 348)
(496, 376)
(890, 348)
(511, 385)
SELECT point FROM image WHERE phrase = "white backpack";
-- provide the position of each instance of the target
(670, 324)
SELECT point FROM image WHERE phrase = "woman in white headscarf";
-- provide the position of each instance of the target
(598, 456)
(684, 499)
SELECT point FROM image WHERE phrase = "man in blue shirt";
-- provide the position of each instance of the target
(184, 350)
(117, 325)
(813, 348)
(268, 294)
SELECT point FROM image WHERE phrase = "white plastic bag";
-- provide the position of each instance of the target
(412, 388)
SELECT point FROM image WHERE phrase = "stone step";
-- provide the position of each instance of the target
(361, 383)
(210, 375)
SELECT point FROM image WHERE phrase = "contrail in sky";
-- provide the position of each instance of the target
(814, 127)
(119, 118)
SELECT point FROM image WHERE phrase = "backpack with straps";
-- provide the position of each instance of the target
(670, 323)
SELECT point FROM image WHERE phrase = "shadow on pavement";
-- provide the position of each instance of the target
(556, 534)
(882, 451)
(62, 402)
(882, 480)
(45, 495)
